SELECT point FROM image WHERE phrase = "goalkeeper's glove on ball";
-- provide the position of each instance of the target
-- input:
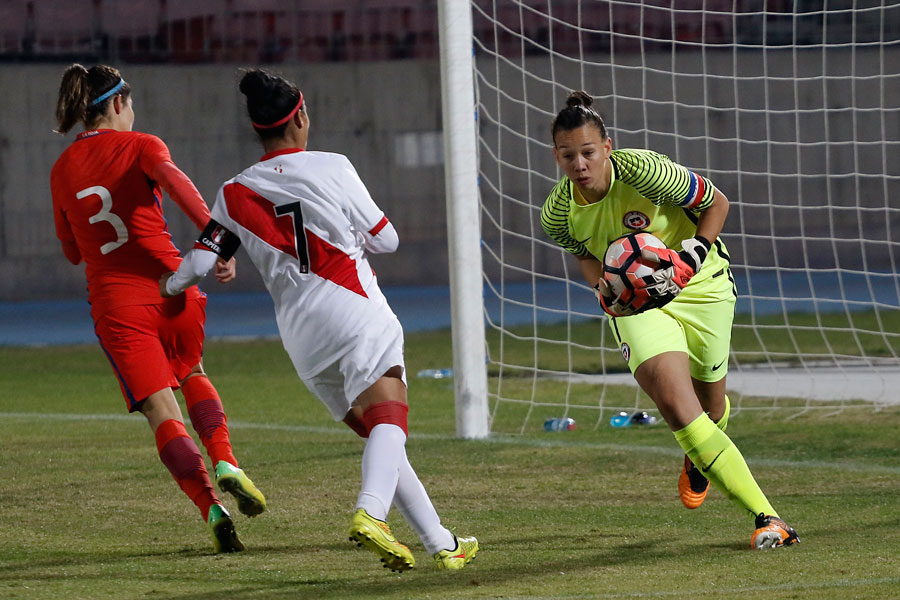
(614, 307)
(610, 305)
(675, 269)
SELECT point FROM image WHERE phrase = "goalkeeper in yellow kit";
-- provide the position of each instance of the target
(678, 348)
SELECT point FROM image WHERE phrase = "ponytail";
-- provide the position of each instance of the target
(73, 98)
(79, 91)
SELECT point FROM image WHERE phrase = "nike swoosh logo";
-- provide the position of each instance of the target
(709, 466)
(719, 365)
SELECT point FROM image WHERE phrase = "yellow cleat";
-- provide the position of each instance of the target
(377, 537)
(459, 557)
(225, 538)
(230, 479)
(772, 532)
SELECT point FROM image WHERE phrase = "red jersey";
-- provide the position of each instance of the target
(105, 202)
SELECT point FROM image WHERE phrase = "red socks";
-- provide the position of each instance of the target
(208, 418)
(183, 459)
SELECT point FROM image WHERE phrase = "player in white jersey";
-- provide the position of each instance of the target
(306, 220)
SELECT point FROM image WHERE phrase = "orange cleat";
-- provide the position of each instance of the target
(772, 532)
(692, 485)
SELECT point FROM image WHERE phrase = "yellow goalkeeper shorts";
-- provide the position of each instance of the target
(697, 322)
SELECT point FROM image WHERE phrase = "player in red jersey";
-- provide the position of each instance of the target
(108, 213)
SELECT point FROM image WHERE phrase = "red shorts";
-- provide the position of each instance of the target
(152, 346)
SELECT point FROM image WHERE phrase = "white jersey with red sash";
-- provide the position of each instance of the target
(300, 216)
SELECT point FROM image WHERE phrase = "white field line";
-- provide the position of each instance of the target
(558, 441)
(875, 385)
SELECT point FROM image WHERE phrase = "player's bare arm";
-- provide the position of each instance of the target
(591, 269)
(712, 220)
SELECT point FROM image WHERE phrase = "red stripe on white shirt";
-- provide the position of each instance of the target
(255, 213)
(374, 231)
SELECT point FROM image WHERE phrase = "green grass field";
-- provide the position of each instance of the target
(588, 346)
(88, 511)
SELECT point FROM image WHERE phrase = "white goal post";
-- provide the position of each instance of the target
(463, 222)
(791, 108)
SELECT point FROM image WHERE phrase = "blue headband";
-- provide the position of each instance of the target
(114, 89)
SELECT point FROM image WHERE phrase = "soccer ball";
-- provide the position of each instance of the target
(623, 268)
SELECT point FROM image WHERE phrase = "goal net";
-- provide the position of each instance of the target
(791, 108)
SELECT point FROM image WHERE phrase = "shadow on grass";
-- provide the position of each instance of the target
(547, 556)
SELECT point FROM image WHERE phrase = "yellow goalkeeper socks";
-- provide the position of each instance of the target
(721, 462)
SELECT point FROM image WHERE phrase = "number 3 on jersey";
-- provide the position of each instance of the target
(293, 209)
(106, 214)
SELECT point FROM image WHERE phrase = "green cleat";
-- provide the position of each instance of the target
(230, 479)
(376, 536)
(459, 557)
(225, 538)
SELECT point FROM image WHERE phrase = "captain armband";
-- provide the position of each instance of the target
(218, 239)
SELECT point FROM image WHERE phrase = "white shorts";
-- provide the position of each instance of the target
(370, 356)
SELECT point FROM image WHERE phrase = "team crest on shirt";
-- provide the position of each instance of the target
(636, 220)
(626, 351)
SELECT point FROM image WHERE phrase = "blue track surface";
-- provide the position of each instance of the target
(428, 308)
(227, 315)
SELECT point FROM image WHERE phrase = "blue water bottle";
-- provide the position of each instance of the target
(559, 424)
(435, 373)
(620, 419)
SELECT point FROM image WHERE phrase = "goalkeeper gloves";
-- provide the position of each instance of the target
(615, 307)
(611, 305)
(675, 269)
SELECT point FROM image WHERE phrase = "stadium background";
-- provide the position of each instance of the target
(369, 71)
(86, 510)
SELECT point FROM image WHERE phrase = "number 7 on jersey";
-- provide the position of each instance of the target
(293, 209)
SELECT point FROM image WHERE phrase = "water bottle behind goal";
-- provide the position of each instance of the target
(559, 424)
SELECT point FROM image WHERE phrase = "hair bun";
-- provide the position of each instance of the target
(256, 85)
(579, 98)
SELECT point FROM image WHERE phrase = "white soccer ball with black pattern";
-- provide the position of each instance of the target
(624, 268)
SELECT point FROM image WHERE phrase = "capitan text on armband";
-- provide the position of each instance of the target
(218, 239)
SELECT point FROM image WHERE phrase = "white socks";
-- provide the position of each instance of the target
(388, 477)
(414, 504)
(380, 469)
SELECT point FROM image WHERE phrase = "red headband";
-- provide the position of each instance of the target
(281, 122)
